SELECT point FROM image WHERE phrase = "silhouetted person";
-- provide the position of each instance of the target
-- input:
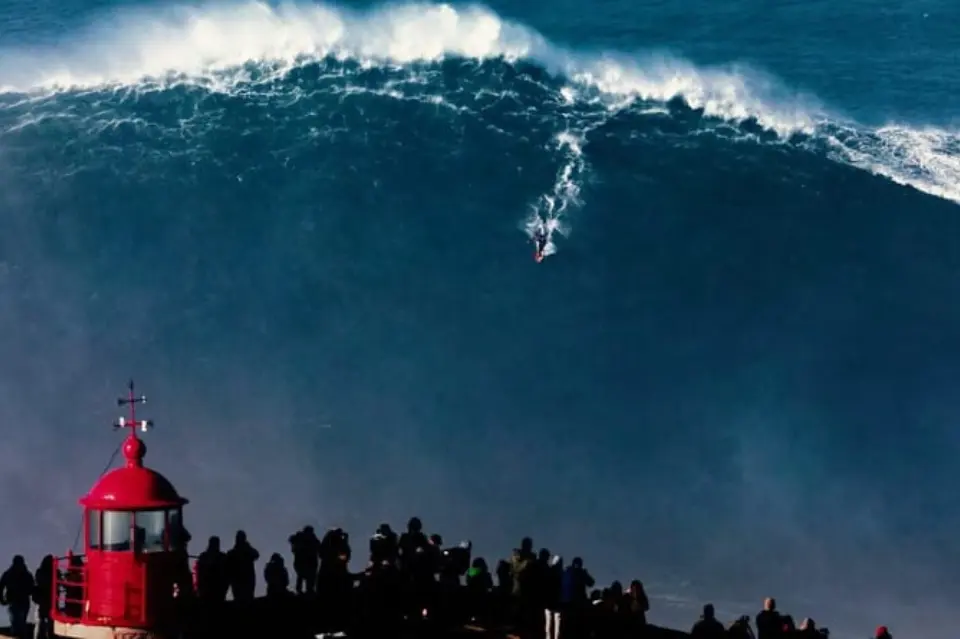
(16, 590)
(808, 629)
(608, 616)
(453, 564)
(740, 629)
(574, 584)
(212, 579)
(708, 627)
(787, 627)
(637, 606)
(384, 545)
(178, 541)
(883, 633)
(426, 568)
(334, 548)
(42, 596)
(522, 567)
(178, 537)
(276, 577)
(378, 598)
(552, 579)
(769, 621)
(479, 590)
(411, 543)
(479, 579)
(306, 559)
(334, 581)
(523, 571)
(539, 577)
(241, 569)
(504, 589)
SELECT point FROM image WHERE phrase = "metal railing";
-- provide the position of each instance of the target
(71, 600)
(70, 593)
(69, 584)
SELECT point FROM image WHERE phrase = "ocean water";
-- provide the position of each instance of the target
(304, 229)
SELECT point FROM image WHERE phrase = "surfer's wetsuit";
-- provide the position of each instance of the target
(540, 240)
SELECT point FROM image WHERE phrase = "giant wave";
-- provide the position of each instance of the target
(466, 59)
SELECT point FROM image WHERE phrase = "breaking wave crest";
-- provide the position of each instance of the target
(217, 45)
(274, 53)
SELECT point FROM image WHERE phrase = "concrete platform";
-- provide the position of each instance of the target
(78, 631)
(72, 631)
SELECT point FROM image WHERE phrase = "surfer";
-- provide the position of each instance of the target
(540, 243)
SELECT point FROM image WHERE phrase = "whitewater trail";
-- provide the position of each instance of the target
(238, 47)
(551, 210)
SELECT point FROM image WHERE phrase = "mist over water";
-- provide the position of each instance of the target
(304, 231)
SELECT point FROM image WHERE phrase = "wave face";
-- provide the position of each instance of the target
(308, 230)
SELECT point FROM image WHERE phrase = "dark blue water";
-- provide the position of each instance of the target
(305, 231)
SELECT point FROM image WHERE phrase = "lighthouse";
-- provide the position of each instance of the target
(123, 585)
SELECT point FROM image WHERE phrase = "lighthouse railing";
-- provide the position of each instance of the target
(70, 593)
(69, 586)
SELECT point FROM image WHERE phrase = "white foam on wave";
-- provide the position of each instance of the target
(550, 211)
(217, 43)
(131, 46)
(926, 158)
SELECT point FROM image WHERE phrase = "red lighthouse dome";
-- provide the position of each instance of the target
(134, 558)
(133, 487)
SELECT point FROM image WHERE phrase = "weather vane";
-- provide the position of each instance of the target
(132, 400)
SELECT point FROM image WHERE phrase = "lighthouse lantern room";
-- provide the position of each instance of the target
(124, 583)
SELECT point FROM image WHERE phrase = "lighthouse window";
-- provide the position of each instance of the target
(150, 525)
(115, 533)
(93, 529)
